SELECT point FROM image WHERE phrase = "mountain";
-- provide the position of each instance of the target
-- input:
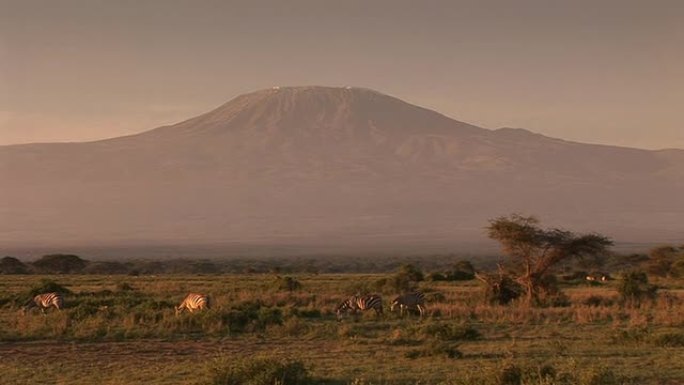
(330, 167)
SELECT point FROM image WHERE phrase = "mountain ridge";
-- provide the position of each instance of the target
(343, 163)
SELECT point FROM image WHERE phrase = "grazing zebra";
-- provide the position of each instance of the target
(193, 302)
(415, 300)
(355, 303)
(44, 301)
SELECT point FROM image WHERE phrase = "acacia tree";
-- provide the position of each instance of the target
(535, 251)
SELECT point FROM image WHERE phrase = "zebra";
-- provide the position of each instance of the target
(355, 303)
(44, 301)
(414, 300)
(193, 302)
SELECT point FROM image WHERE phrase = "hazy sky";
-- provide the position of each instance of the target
(596, 71)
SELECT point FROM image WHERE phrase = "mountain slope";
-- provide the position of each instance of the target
(319, 164)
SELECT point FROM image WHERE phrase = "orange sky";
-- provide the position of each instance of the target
(594, 71)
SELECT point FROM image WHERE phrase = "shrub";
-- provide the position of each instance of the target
(458, 275)
(405, 280)
(434, 276)
(461, 271)
(549, 293)
(510, 375)
(123, 286)
(258, 371)
(634, 287)
(670, 340)
(47, 286)
(501, 288)
(411, 272)
(286, 284)
(251, 316)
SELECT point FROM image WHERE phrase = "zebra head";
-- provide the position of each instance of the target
(343, 308)
(28, 305)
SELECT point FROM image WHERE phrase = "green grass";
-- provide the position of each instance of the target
(121, 330)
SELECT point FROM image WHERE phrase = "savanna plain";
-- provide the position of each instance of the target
(123, 329)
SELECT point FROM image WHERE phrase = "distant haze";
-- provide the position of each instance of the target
(592, 71)
(329, 169)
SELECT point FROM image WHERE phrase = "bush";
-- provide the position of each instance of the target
(403, 281)
(434, 276)
(501, 288)
(411, 272)
(286, 284)
(48, 286)
(462, 271)
(549, 293)
(634, 288)
(510, 375)
(671, 340)
(251, 316)
(258, 371)
(123, 286)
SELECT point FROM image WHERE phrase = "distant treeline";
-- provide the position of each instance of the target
(446, 267)
(661, 261)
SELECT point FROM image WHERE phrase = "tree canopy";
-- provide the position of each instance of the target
(11, 265)
(60, 264)
(534, 251)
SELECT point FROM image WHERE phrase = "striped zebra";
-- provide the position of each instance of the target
(44, 301)
(413, 301)
(193, 302)
(356, 303)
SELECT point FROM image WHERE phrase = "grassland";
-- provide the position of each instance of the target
(123, 330)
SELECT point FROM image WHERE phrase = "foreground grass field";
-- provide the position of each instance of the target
(123, 330)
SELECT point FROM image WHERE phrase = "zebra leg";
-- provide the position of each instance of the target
(421, 310)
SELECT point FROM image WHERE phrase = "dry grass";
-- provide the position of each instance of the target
(137, 338)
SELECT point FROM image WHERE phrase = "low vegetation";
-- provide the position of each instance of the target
(540, 318)
(268, 329)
